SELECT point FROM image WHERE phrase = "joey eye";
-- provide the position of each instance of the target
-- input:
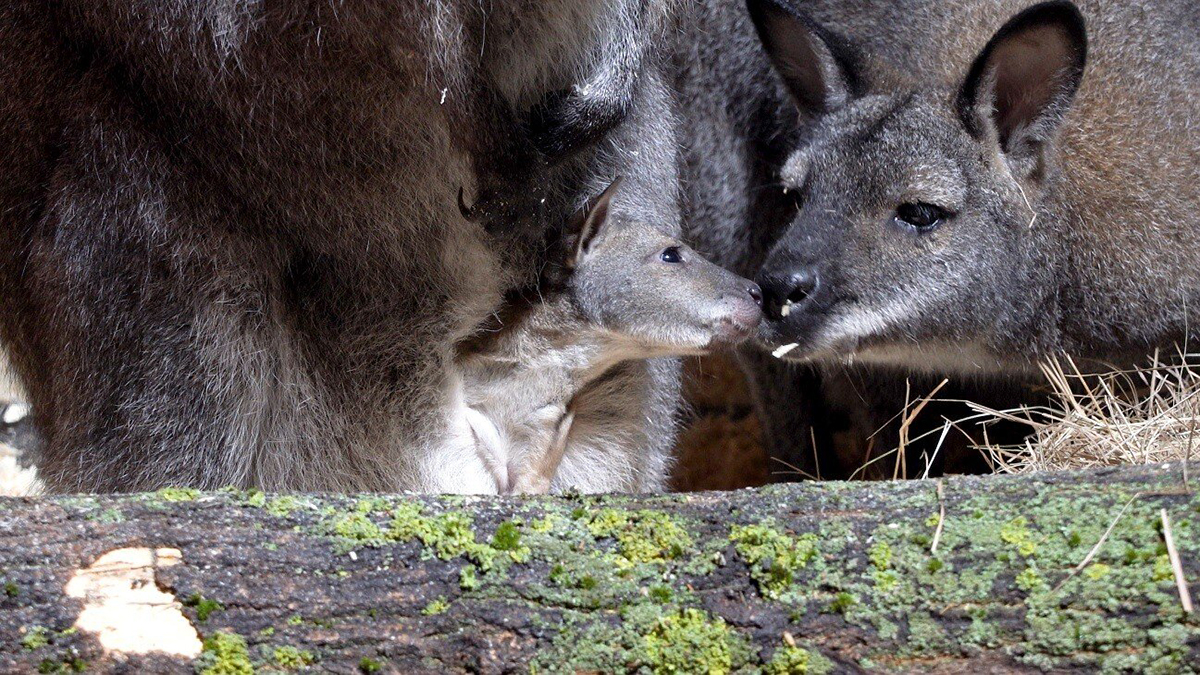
(920, 216)
(671, 255)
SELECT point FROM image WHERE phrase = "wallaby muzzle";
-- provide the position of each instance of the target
(789, 291)
(741, 312)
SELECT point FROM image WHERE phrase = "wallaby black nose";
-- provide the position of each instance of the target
(756, 293)
(783, 292)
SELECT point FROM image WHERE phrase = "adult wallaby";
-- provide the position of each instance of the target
(985, 184)
(535, 381)
(232, 253)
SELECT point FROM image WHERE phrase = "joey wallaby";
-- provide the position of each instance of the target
(231, 255)
(1024, 183)
(619, 290)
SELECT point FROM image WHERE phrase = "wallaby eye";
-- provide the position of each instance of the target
(671, 255)
(920, 216)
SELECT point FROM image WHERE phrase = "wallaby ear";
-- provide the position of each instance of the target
(588, 225)
(813, 63)
(1025, 78)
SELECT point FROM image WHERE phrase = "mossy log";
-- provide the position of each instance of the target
(818, 577)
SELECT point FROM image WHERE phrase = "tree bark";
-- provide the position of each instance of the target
(814, 577)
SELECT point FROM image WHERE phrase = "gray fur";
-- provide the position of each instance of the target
(1072, 213)
(740, 123)
(236, 257)
(538, 383)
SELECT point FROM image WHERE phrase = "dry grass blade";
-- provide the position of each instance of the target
(937, 448)
(793, 470)
(937, 533)
(812, 436)
(901, 468)
(1185, 597)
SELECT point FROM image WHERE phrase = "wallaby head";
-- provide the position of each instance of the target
(915, 201)
(628, 278)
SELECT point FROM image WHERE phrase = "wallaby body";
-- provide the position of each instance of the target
(740, 122)
(1025, 184)
(534, 380)
(232, 252)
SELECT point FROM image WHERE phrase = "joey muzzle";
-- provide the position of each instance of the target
(741, 312)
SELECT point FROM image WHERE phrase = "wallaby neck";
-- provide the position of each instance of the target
(543, 344)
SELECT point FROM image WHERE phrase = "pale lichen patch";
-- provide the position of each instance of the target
(124, 608)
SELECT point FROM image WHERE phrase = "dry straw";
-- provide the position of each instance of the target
(1134, 416)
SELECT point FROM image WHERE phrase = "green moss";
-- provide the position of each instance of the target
(981, 632)
(36, 638)
(371, 505)
(288, 657)
(1162, 568)
(468, 580)
(1016, 533)
(11, 589)
(447, 535)
(925, 635)
(842, 602)
(507, 536)
(990, 584)
(689, 641)
(282, 506)
(176, 494)
(774, 557)
(295, 620)
(661, 594)
(886, 581)
(108, 515)
(565, 578)
(436, 606)
(1029, 580)
(508, 539)
(204, 606)
(560, 577)
(356, 530)
(65, 665)
(793, 660)
(1096, 571)
(642, 536)
(255, 498)
(880, 555)
(369, 665)
(224, 654)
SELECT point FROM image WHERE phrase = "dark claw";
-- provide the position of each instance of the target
(467, 212)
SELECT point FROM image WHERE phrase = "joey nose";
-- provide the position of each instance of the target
(784, 293)
(739, 311)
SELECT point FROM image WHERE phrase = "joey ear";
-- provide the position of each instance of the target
(1023, 81)
(590, 223)
(814, 64)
